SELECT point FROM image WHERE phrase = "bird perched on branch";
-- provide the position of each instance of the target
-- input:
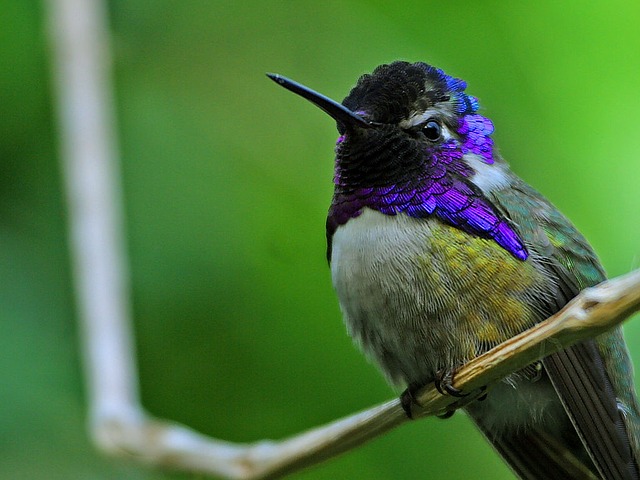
(439, 252)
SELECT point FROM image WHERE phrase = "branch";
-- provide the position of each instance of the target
(119, 424)
(161, 443)
(591, 313)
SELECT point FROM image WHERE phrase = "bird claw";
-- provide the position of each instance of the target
(451, 409)
(408, 399)
(444, 384)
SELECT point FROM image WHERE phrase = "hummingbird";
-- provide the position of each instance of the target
(439, 252)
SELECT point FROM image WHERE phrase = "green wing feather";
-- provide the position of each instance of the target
(602, 406)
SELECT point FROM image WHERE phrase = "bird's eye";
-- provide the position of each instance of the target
(432, 130)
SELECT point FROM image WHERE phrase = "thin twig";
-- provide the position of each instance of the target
(119, 424)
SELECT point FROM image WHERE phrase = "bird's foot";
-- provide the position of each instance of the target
(408, 398)
(444, 385)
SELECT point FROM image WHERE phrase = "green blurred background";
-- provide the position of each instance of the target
(227, 179)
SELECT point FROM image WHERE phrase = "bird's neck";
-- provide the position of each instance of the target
(439, 186)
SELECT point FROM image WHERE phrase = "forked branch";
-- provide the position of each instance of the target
(119, 424)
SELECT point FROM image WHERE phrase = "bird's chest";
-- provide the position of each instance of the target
(419, 296)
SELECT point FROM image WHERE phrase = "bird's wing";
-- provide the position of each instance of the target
(535, 454)
(578, 373)
(581, 382)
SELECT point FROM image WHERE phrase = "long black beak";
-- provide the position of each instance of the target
(339, 112)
